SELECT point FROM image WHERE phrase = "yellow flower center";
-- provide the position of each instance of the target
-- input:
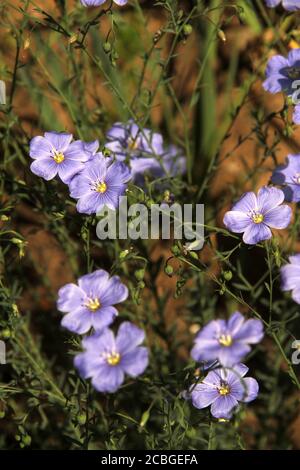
(132, 144)
(58, 157)
(113, 359)
(257, 218)
(224, 390)
(225, 340)
(93, 305)
(101, 187)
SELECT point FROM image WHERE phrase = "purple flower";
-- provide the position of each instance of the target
(282, 72)
(290, 277)
(144, 151)
(253, 216)
(97, 3)
(99, 184)
(290, 5)
(55, 154)
(139, 147)
(227, 341)
(289, 176)
(90, 303)
(107, 358)
(223, 389)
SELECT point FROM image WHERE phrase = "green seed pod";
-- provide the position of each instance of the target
(227, 275)
(175, 250)
(81, 419)
(26, 440)
(6, 333)
(107, 47)
(123, 254)
(193, 254)
(169, 270)
(187, 29)
(139, 274)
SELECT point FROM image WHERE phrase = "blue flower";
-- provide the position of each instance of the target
(107, 358)
(281, 73)
(227, 341)
(55, 154)
(223, 389)
(144, 151)
(254, 215)
(90, 304)
(100, 184)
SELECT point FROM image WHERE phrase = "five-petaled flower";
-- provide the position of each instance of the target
(100, 184)
(144, 151)
(290, 277)
(288, 176)
(227, 341)
(283, 74)
(90, 303)
(55, 154)
(223, 389)
(107, 358)
(290, 5)
(254, 215)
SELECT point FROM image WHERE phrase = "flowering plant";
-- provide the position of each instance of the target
(149, 225)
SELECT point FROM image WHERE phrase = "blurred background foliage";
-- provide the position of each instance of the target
(191, 70)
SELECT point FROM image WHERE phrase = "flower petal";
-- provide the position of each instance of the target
(44, 167)
(69, 168)
(59, 140)
(279, 217)
(223, 406)
(236, 221)
(203, 395)
(229, 356)
(115, 293)
(252, 331)
(78, 321)
(135, 362)
(103, 317)
(256, 233)
(108, 378)
(92, 283)
(251, 389)
(247, 203)
(90, 203)
(40, 147)
(70, 297)
(99, 343)
(290, 277)
(129, 337)
(268, 198)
